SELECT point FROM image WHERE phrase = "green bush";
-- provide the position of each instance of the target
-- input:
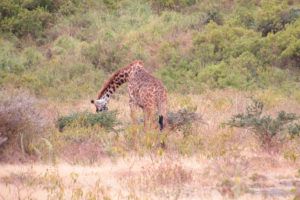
(265, 127)
(217, 43)
(108, 54)
(274, 16)
(223, 75)
(22, 21)
(33, 57)
(294, 129)
(112, 4)
(178, 75)
(107, 120)
(10, 61)
(160, 5)
(213, 15)
(207, 45)
(31, 17)
(243, 16)
(16, 62)
(281, 49)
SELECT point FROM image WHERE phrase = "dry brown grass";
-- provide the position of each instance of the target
(204, 161)
(164, 177)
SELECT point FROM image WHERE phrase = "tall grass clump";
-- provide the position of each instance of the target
(22, 122)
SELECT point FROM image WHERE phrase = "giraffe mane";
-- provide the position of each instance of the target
(114, 75)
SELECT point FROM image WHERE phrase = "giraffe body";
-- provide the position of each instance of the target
(145, 91)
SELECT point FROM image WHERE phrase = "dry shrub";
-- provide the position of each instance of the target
(21, 123)
(85, 152)
(229, 175)
(167, 173)
(161, 179)
(182, 119)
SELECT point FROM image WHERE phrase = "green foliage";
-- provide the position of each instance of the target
(273, 16)
(223, 75)
(60, 78)
(208, 44)
(213, 15)
(160, 5)
(14, 63)
(105, 54)
(112, 4)
(265, 127)
(217, 43)
(294, 129)
(106, 120)
(9, 61)
(22, 21)
(31, 17)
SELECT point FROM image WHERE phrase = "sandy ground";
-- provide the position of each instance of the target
(145, 178)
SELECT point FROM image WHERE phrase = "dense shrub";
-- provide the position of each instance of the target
(22, 122)
(243, 16)
(16, 62)
(182, 119)
(284, 46)
(265, 127)
(223, 75)
(24, 18)
(22, 21)
(107, 120)
(9, 59)
(208, 44)
(160, 5)
(213, 15)
(294, 129)
(106, 54)
(217, 43)
(274, 16)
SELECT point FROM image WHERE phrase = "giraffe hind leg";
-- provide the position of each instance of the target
(133, 112)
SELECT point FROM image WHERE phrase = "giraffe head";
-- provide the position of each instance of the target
(100, 104)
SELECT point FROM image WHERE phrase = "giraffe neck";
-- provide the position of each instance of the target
(117, 79)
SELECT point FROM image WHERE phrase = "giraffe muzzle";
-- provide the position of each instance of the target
(104, 108)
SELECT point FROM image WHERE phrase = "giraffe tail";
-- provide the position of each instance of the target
(161, 122)
(162, 115)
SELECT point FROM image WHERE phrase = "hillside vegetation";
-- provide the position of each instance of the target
(64, 49)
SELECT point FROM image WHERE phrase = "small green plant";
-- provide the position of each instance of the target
(294, 129)
(264, 126)
(107, 120)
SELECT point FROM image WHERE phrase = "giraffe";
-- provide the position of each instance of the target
(145, 92)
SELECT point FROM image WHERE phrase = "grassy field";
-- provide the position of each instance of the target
(204, 160)
(232, 63)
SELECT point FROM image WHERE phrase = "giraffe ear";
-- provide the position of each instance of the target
(92, 101)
